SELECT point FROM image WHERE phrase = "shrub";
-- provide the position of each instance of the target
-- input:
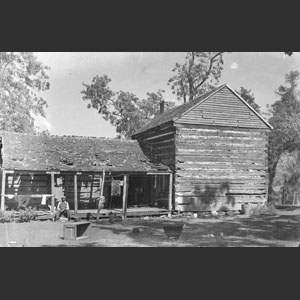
(267, 208)
(6, 217)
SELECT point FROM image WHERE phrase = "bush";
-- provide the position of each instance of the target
(19, 217)
(6, 217)
(267, 208)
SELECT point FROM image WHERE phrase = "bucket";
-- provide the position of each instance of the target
(172, 230)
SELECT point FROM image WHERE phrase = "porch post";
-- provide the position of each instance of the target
(52, 193)
(171, 192)
(101, 202)
(125, 196)
(3, 190)
(75, 195)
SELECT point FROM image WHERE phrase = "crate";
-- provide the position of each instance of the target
(77, 230)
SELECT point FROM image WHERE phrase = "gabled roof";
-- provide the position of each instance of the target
(179, 111)
(72, 153)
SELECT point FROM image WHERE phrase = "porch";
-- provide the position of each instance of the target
(132, 212)
(125, 194)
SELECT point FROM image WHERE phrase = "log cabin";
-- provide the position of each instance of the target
(217, 148)
(36, 170)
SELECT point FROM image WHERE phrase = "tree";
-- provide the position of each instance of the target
(199, 73)
(124, 110)
(249, 97)
(22, 76)
(285, 114)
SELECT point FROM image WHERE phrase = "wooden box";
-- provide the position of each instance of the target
(77, 230)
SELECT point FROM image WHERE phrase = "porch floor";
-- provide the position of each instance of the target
(131, 212)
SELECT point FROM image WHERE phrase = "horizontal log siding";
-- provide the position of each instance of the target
(159, 145)
(219, 167)
(223, 109)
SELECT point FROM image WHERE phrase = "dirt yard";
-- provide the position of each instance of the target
(277, 229)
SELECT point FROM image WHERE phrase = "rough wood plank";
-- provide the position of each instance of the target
(153, 130)
(180, 127)
(168, 142)
(125, 196)
(3, 190)
(219, 151)
(52, 192)
(170, 192)
(222, 168)
(208, 157)
(194, 138)
(221, 165)
(160, 138)
(225, 123)
(232, 117)
(199, 139)
(213, 207)
(160, 132)
(221, 172)
(162, 156)
(75, 195)
(221, 192)
(164, 150)
(186, 186)
(220, 180)
(190, 148)
(221, 156)
(190, 200)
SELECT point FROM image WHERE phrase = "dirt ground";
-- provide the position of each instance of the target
(279, 229)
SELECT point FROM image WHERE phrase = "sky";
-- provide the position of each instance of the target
(139, 73)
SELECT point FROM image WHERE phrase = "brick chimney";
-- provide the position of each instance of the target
(162, 107)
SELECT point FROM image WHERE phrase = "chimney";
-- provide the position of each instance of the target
(162, 107)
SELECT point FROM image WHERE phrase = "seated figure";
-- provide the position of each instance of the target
(63, 209)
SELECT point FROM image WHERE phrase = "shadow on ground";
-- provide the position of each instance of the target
(254, 231)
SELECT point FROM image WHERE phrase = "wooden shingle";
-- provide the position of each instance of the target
(71, 153)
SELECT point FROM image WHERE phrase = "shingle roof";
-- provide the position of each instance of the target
(175, 112)
(69, 153)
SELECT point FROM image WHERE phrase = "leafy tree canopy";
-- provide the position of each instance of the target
(124, 110)
(22, 76)
(199, 73)
(285, 114)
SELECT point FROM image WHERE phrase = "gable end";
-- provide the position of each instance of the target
(224, 108)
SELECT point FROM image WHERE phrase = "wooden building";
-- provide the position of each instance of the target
(37, 170)
(216, 146)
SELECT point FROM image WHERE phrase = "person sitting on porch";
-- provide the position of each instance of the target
(63, 209)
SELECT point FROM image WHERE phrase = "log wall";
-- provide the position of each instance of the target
(158, 145)
(220, 167)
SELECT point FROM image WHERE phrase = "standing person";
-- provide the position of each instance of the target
(62, 209)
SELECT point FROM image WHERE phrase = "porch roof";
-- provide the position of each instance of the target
(73, 153)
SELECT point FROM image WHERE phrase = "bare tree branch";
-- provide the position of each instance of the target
(212, 60)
